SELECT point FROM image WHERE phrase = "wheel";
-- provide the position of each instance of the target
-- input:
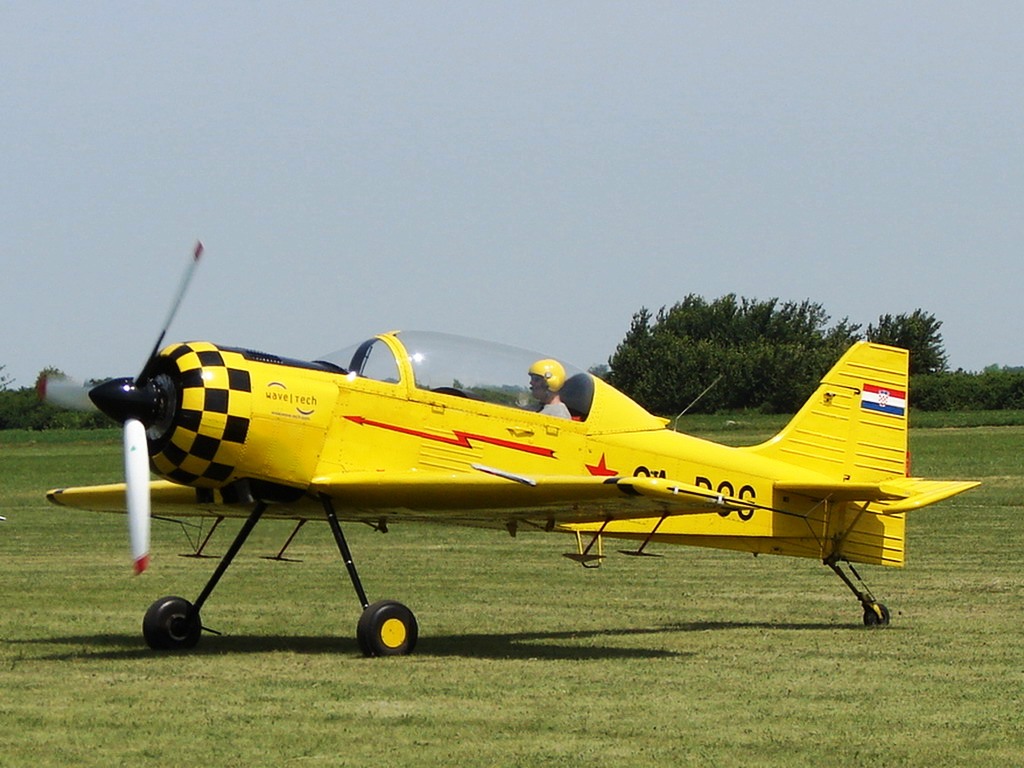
(387, 628)
(171, 624)
(876, 615)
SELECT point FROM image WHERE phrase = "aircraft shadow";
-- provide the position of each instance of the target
(534, 645)
(569, 644)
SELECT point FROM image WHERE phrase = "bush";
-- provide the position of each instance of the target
(991, 390)
(21, 409)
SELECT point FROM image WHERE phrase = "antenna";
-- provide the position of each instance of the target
(675, 421)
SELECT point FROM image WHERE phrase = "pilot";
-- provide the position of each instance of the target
(546, 379)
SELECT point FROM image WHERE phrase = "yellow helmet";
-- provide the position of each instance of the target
(551, 371)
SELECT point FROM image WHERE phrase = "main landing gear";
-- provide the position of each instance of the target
(875, 613)
(386, 628)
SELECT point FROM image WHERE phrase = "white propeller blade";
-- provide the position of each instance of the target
(136, 472)
(64, 393)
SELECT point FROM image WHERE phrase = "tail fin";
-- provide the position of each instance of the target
(854, 427)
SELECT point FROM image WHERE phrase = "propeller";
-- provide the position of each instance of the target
(63, 392)
(197, 252)
(138, 404)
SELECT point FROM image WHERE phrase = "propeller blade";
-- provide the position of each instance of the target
(64, 393)
(137, 403)
(136, 471)
(185, 280)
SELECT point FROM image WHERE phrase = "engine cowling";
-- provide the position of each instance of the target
(198, 437)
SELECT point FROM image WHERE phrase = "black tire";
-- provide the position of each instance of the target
(876, 618)
(171, 624)
(387, 628)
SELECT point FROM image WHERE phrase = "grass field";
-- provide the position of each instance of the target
(699, 658)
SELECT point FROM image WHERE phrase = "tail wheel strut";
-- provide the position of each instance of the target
(875, 613)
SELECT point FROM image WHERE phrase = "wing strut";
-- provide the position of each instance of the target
(206, 540)
(582, 554)
(280, 555)
(640, 551)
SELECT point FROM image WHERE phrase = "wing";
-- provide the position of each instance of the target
(173, 500)
(489, 497)
(493, 495)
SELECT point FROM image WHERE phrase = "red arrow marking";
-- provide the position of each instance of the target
(460, 439)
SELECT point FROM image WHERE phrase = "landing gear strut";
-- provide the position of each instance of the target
(875, 613)
(173, 623)
(386, 628)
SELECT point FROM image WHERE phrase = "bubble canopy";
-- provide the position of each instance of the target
(459, 366)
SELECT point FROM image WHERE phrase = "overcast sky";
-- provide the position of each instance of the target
(530, 173)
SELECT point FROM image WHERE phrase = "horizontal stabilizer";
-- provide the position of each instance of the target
(901, 494)
(887, 490)
(920, 493)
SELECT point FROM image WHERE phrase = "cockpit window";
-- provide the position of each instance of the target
(463, 367)
(479, 370)
(374, 360)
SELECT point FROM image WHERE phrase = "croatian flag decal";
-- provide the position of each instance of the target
(883, 400)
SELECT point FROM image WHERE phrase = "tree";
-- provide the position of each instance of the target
(917, 332)
(764, 354)
(5, 380)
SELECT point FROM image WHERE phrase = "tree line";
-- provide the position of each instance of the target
(22, 409)
(734, 353)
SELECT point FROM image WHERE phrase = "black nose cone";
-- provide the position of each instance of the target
(121, 400)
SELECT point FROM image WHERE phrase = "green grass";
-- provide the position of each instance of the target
(698, 658)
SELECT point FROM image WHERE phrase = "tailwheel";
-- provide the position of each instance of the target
(171, 624)
(387, 628)
(876, 615)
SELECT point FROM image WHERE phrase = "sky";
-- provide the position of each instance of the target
(533, 173)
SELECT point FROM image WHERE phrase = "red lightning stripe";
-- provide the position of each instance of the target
(460, 439)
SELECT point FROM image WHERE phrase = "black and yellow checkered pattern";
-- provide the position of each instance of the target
(212, 422)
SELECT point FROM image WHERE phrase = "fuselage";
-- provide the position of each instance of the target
(242, 420)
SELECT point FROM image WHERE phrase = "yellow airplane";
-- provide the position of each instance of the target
(427, 427)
